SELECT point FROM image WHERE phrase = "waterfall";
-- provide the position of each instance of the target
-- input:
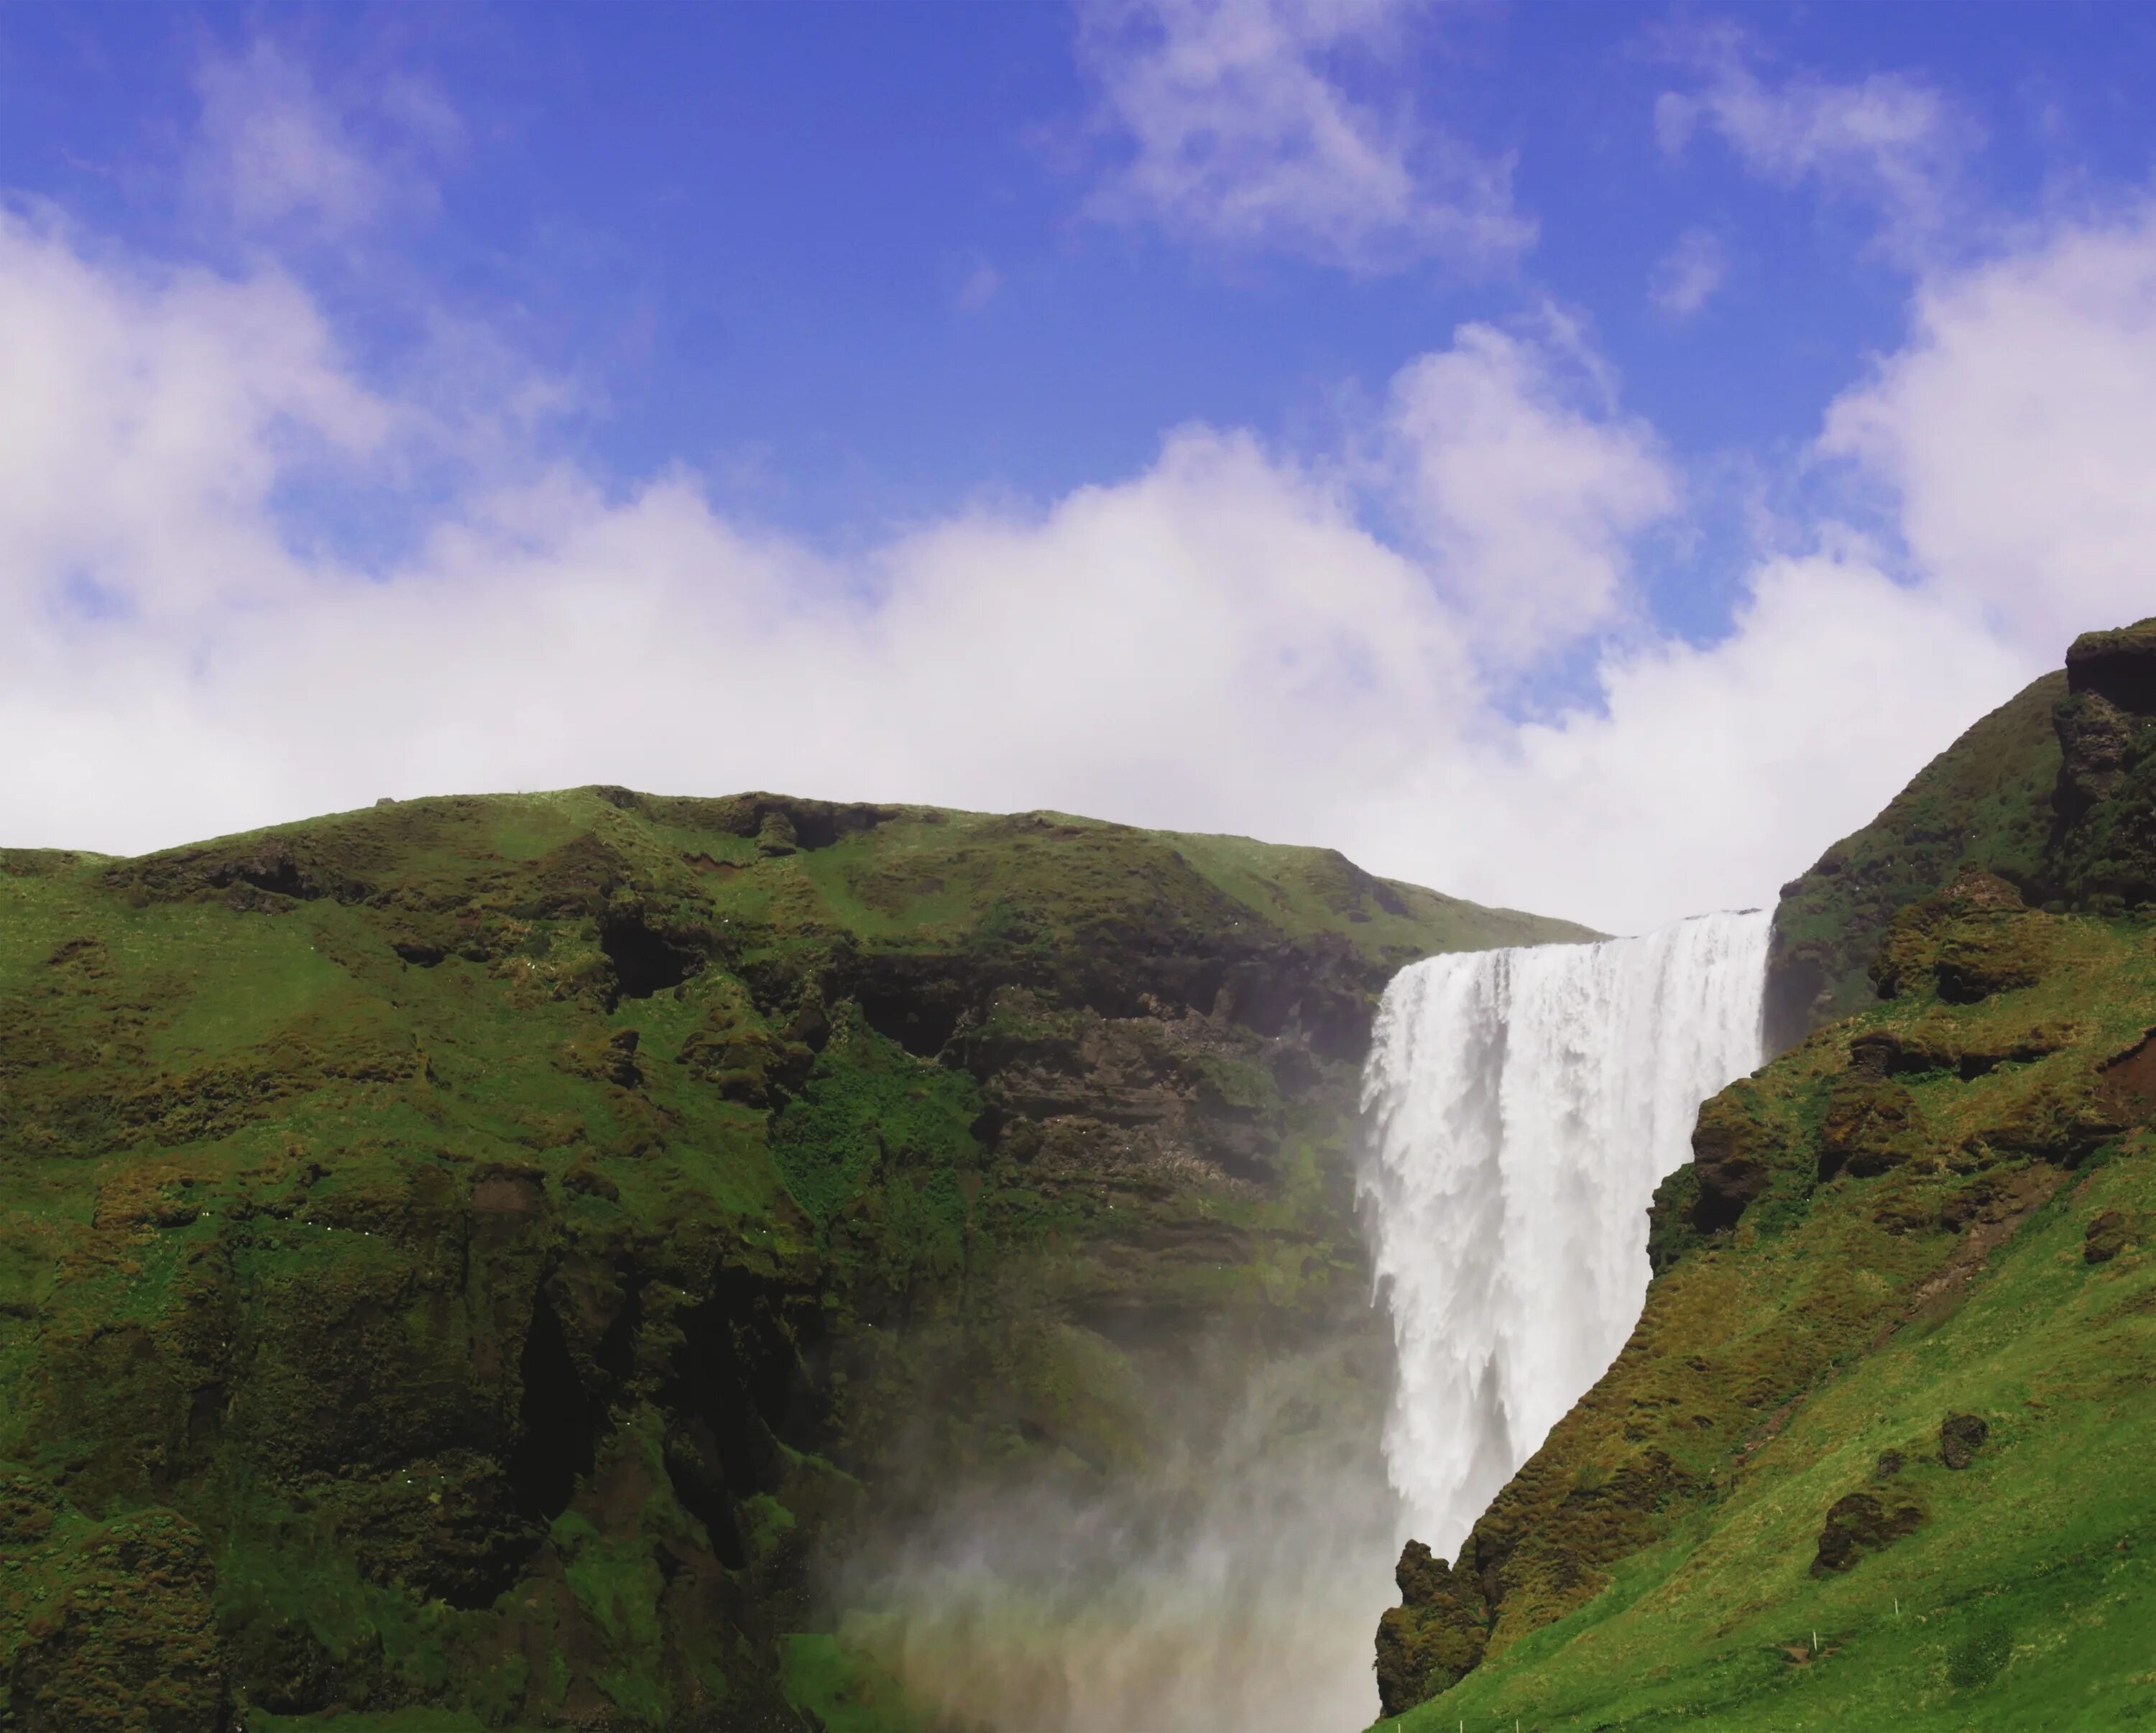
(1523, 1104)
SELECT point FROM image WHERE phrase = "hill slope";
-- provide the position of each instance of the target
(468, 1256)
(1876, 1452)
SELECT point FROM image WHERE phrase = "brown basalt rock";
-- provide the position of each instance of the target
(1872, 1125)
(2128, 1080)
(1939, 1044)
(2105, 1237)
(1732, 1148)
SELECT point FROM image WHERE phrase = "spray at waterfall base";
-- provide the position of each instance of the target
(1520, 1107)
(1228, 1582)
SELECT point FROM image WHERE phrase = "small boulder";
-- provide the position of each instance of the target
(1961, 1436)
(1860, 1524)
(2105, 1237)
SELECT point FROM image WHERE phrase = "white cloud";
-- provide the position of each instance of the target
(2019, 429)
(148, 417)
(271, 148)
(1242, 133)
(1690, 275)
(1221, 641)
(1889, 139)
(274, 149)
(1714, 772)
(1527, 502)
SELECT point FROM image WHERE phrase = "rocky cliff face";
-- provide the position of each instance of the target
(1861, 1449)
(480, 1256)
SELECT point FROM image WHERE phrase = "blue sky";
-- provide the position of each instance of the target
(1341, 421)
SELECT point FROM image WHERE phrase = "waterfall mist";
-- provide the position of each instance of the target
(1522, 1105)
(1229, 1585)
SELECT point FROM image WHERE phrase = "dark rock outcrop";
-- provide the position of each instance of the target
(1862, 1523)
(1733, 1158)
(1435, 1636)
(2107, 1236)
(1871, 1125)
(1961, 1436)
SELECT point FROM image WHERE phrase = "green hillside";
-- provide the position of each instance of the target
(1876, 1453)
(1985, 802)
(465, 1262)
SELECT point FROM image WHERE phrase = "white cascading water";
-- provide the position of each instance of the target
(1523, 1104)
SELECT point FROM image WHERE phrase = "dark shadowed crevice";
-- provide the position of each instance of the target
(922, 1025)
(558, 1424)
(699, 1476)
(644, 962)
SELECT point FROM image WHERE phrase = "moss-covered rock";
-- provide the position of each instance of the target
(1860, 1523)
(1871, 1126)
(126, 1639)
(1985, 802)
(1435, 1636)
(2051, 798)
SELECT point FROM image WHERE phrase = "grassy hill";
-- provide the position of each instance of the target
(461, 1261)
(1876, 1453)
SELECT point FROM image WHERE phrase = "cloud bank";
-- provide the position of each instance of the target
(1341, 647)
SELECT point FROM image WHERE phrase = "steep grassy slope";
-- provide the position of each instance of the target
(1875, 1454)
(2004, 798)
(461, 1260)
(1985, 802)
